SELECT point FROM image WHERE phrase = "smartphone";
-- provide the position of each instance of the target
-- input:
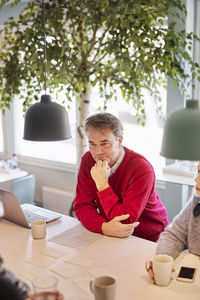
(186, 274)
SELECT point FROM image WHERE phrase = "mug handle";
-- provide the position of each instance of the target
(147, 265)
(92, 285)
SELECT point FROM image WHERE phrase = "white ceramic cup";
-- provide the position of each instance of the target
(38, 229)
(162, 268)
(103, 288)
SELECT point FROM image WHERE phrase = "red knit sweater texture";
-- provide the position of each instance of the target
(131, 191)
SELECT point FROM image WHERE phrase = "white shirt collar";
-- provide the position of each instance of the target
(118, 162)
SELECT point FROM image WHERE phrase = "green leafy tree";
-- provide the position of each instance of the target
(103, 43)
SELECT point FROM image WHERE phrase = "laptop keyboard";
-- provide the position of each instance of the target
(31, 217)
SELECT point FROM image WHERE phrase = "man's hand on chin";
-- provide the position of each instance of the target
(100, 173)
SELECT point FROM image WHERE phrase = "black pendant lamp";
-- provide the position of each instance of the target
(46, 120)
(181, 137)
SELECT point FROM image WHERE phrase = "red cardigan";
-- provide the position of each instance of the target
(131, 191)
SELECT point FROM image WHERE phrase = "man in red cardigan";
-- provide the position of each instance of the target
(116, 186)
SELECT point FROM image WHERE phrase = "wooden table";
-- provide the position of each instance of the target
(122, 258)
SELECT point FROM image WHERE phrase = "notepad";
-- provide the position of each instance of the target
(76, 237)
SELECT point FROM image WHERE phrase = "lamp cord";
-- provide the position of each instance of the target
(44, 48)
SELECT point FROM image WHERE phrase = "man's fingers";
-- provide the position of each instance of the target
(129, 232)
(101, 163)
(122, 217)
(135, 224)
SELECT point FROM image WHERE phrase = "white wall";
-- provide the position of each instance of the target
(45, 176)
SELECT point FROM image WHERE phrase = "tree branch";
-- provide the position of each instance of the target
(73, 36)
(99, 59)
(109, 75)
(100, 44)
(93, 42)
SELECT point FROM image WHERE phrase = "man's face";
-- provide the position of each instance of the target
(104, 145)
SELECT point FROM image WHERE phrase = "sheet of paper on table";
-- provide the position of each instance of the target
(31, 272)
(79, 260)
(40, 260)
(77, 237)
(53, 252)
(66, 270)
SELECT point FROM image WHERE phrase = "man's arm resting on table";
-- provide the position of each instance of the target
(117, 229)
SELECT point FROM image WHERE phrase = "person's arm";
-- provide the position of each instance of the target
(117, 229)
(100, 173)
(85, 206)
(174, 239)
(138, 189)
(128, 209)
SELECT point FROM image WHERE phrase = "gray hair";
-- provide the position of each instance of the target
(104, 121)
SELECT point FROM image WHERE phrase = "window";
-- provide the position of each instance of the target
(1, 135)
(61, 151)
(145, 140)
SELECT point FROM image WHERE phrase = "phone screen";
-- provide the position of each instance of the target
(186, 272)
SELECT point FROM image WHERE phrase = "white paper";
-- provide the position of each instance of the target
(65, 270)
(40, 260)
(50, 251)
(77, 237)
(31, 272)
(79, 260)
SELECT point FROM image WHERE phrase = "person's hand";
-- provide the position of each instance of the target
(117, 229)
(100, 173)
(149, 268)
(35, 296)
(1, 210)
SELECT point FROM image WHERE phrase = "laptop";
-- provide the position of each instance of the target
(25, 213)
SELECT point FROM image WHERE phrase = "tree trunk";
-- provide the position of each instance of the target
(82, 112)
